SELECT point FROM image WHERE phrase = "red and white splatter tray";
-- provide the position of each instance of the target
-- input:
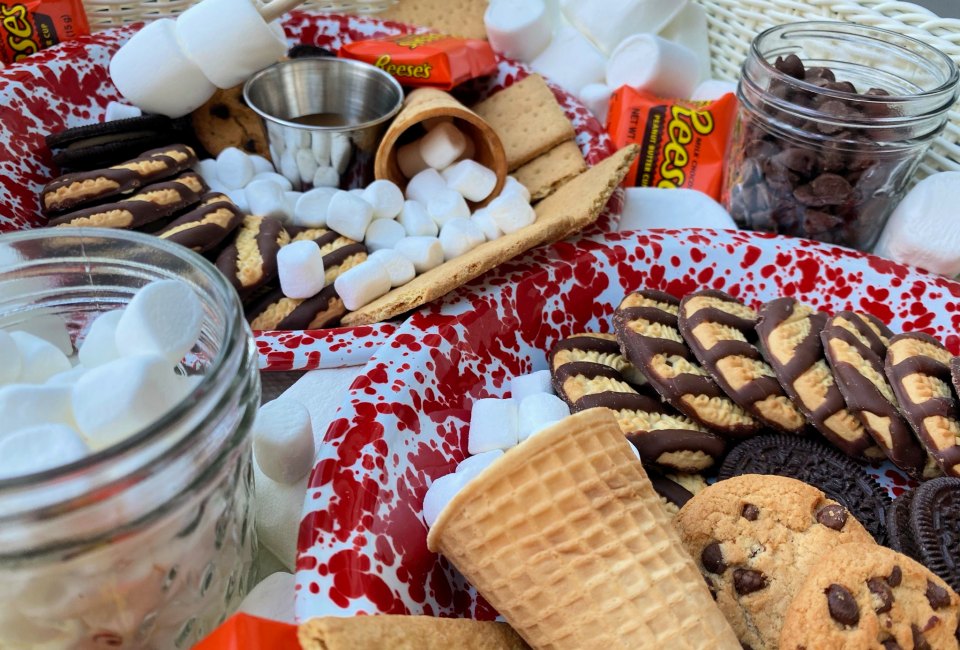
(404, 423)
(69, 85)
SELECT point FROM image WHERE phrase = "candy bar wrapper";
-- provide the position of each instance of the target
(245, 632)
(33, 25)
(683, 143)
(431, 60)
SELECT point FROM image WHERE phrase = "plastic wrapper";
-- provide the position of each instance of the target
(245, 632)
(30, 26)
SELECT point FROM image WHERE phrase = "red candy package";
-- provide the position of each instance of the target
(431, 60)
(245, 632)
(33, 25)
(682, 142)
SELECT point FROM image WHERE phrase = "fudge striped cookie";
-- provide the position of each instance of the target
(249, 262)
(207, 225)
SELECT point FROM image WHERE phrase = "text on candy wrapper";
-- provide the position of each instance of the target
(684, 122)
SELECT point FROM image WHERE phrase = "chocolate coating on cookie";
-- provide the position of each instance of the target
(274, 311)
(250, 260)
(206, 226)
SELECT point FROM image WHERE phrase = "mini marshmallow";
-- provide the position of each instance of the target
(398, 267)
(11, 359)
(300, 268)
(234, 168)
(445, 205)
(535, 383)
(473, 465)
(357, 191)
(657, 207)
(596, 97)
(608, 25)
(654, 64)
(260, 164)
(100, 342)
(513, 186)
(713, 89)
(67, 377)
(311, 208)
(274, 177)
(425, 252)
(239, 198)
(494, 424)
(28, 405)
(362, 284)
(409, 159)
(326, 176)
(439, 494)
(511, 213)
(121, 111)
(425, 185)
(340, 151)
(570, 60)
(383, 233)
(49, 327)
(482, 219)
(207, 168)
(519, 29)
(163, 318)
(39, 448)
(272, 598)
(385, 197)
(275, 133)
(265, 198)
(320, 147)
(349, 215)
(288, 167)
(306, 165)
(415, 220)
(39, 359)
(283, 444)
(538, 411)
(290, 205)
(689, 29)
(278, 509)
(459, 236)
(442, 145)
(472, 180)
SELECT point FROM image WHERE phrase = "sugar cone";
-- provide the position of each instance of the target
(566, 537)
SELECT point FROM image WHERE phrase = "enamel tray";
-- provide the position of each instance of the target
(69, 85)
(362, 541)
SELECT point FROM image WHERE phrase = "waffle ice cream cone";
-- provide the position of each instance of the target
(566, 537)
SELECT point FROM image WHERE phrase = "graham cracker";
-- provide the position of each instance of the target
(527, 118)
(406, 633)
(455, 17)
(545, 173)
(576, 204)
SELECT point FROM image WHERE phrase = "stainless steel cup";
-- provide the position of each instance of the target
(324, 118)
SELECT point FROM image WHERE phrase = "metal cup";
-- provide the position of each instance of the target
(324, 118)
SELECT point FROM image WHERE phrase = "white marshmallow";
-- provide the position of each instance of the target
(689, 29)
(135, 71)
(320, 147)
(442, 145)
(275, 133)
(398, 267)
(424, 185)
(260, 164)
(357, 191)
(300, 267)
(294, 139)
(49, 327)
(439, 494)
(290, 205)
(10, 358)
(306, 165)
(265, 198)
(570, 60)
(445, 205)
(272, 598)
(383, 233)
(278, 508)
(415, 220)
(27, 405)
(311, 208)
(228, 40)
(349, 215)
(385, 197)
(482, 219)
(713, 89)
(39, 448)
(39, 359)
(326, 176)
(100, 342)
(163, 318)
(494, 424)
(216, 185)
(459, 236)
(207, 168)
(511, 213)
(274, 177)
(409, 159)
(473, 465)
(425, 252)
(239, 198)
(288, 167)
(67, 377)
(596, 97)
(519, 29)
(362, 284)
(513, 186)
(121, 111)
(472, 180)
(654, 64)
(340, 151)
(608, 24)
(535, 383)
(234, 168)
(283, 444)
(657, 207)
(538, 411)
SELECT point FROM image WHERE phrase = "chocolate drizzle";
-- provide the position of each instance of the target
(205, 236)
(304, 315)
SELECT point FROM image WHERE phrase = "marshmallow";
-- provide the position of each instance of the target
(306, 165)
(228, 39)
(432, 122)
(519, 29)
(409, 159)
(538, 411)
(279, 179)
(924, 229)
(535, 383)
(482, 219)
(349, 215)
(398, 267)
(357, 191)
(362, 284)
(439, 494)
(260, 164)
(607, 25)
(283, 443)
(120, 111)
(383, 233)
(294, 139)
(39, 448)
(513, 186)
(424, 185)
(385, 197)
(288, 167)
(234, 168)
(290, 205)
(657, 207)
(473, 465)
(278, 508)
(425, 252)
(175, 87)
(459, 236)
(49, 327)
(272, 598)
(511, 213)
(320, 147)
(446, 205)
(100, 343)
(596, 97)
(326, 176)
(207, 168)
(311, 208)
(67, 377)
(713, 89)
(39, 359)
(415, 220)
(471, 179)
(163, 318)
(300, 268)
(27, 405)
(571, 60)
(275, 135)
(340, 150)
(494, 424)
(654, 64)
(239, 198)
(689, 29)
(265, 198)
(11, 360)
(442, 145)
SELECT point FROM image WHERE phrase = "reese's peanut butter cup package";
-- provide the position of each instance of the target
(432, 60)
(682, 142)
(33, 25)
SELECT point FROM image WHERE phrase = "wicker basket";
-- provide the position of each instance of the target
(732, 24)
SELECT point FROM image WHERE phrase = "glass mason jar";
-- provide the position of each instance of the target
(148, 543)
(826, 149)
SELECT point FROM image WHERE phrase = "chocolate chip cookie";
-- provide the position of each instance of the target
(226, 121)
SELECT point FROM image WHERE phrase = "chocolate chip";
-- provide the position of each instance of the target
(932, 622)
(891, 644)
(792, 66)
(712, 558)
(896, 576)
(919, 643)
(832, 516)
(937, 595)
(826, 189)
(879, 588)
(747, 581)
(842, 605)
(220, 111)
(750, 512)
(819, 72)
(816, 222)
(802, 161)
(841, 86)
(712, 587)
(746, 646)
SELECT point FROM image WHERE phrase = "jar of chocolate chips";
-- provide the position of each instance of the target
(834, 119)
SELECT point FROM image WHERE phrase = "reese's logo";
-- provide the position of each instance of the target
(683, 125)
(19, 31)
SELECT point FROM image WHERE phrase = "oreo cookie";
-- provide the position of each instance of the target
(899, 534)
(935, 523)
(838, 476)
(103, 144)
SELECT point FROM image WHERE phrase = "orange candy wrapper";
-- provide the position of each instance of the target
(33, 25)
(682, 142)
(426, 60)
(245, 632)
